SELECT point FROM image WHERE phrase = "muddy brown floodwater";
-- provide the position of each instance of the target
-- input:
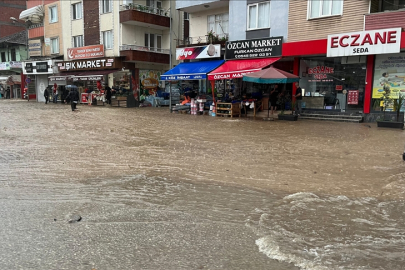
(169, 191)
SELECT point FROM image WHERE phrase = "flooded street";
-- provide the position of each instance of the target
(169, 191)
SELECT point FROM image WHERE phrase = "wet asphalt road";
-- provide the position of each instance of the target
(163, 191)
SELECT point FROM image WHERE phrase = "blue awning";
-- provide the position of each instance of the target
(191, 70)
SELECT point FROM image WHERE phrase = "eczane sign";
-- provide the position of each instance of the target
(365, 42)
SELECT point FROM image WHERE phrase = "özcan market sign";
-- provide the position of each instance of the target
(365, 42)
(254, 48)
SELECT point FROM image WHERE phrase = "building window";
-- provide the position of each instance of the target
(3, 57)
(77, 11)
(53, 14)
(186, 16)
(153, 41)
(77, 41)
(219, 24)
(324, 8)
(13, 55)
(393, 5)
(54, 45)
(108, 39)
(259, 16)
(106, 6)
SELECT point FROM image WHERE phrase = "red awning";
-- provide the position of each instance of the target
(233, 69)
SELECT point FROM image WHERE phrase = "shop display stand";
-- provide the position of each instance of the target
(228, 109)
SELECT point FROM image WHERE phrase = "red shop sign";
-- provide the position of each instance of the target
(93, 51)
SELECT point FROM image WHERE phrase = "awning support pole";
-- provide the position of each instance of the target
(213, 92)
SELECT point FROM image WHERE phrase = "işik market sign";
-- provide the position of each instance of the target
(254, 48)
(88, 64)
(365, 43)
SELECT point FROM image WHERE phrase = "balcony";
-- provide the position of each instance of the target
(36, 31)
(134, 53)
(384, 20)
(202, 40)
(201, 5)
(145, 16)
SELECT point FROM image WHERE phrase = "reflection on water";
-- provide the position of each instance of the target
(318, 195)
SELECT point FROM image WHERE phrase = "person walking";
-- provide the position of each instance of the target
(273, 98)
(46, 95)
(74, 98)
(108, 95)
(298, 99)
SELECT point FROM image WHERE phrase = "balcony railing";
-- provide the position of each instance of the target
(202, 40)
(145, 9)
(143, 48)
(36, 25)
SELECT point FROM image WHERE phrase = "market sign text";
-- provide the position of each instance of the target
(254, 48)
(365, 43)
(100, 63)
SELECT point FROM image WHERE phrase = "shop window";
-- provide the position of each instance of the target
(53, 14)
(54, 45)
(13, 55)
(219, 24)
(327, 82)
(3, 57)
(259, 16)
(108, 39)
(77, 11)
(324, 8)
(106, 6)
(78, 41)
(393, 5)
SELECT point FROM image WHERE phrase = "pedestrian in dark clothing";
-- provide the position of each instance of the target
(273, 98)
(73, 96)
(46, 95)
(108, 95)
(298, 99)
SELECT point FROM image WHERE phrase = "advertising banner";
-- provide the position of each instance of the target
(389, 70)
(93, 51)
(4, 65)
(34, 47)
(201, 52)
(254, 48)
(353, 97)
(365, 42)
(149, 80)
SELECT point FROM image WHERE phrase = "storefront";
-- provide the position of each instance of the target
(344, 72)
(93, 75)
(182, 77)
(36, 80)
(244, 57)
(11, 72)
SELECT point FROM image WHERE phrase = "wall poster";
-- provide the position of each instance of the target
(389, 70)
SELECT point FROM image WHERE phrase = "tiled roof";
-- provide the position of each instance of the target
(17, 38)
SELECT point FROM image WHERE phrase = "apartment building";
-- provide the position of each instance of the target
(248, 34)
(346, 51)
(122, 44)
(42, 18)
(13, 39)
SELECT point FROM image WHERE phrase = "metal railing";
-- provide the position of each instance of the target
(143, 48)
(202, 40)
(32, 26)
(146, 9)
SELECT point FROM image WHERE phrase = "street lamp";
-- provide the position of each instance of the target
(26, 26)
